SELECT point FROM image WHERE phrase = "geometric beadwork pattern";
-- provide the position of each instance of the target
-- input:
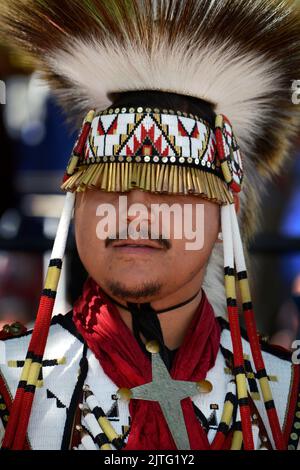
(233, 149)
(229, 153)
(152, 137)
(50, 395)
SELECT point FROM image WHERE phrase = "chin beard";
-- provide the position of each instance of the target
(144, 290)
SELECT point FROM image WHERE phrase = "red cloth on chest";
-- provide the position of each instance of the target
(114, 345)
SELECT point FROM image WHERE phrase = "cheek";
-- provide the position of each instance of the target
(193, 251)
(211, 225)
(90, 248)
(189, 261)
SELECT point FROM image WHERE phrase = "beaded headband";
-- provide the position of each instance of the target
(158, 151)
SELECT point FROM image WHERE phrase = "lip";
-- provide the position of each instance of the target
(136, 246)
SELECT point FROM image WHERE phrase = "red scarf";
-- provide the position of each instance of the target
(99, 322)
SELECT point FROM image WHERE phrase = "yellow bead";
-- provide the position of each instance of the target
(152, 347)
(204, 386)
(124, 394)
(105, 447)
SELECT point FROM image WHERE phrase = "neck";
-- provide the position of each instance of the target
(175, 322)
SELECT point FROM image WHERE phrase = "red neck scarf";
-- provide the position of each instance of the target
(99, 322)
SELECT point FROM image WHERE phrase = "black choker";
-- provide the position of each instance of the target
(181, 304)
(145, 321)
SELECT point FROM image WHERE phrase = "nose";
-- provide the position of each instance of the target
(136, 196)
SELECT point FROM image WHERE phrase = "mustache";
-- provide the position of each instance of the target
(143, 235)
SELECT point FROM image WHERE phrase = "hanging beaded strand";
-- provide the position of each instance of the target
(18, 421)
(237, 439)
(261, 373)
(233, 317)
(226, 419)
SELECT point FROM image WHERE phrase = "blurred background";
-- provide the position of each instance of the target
(35, 147)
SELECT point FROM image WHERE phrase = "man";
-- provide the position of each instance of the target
(145, 359)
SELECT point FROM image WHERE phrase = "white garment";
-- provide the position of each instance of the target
(53, 400)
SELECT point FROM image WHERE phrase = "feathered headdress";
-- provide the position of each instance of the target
(242, 57)
(238, 57)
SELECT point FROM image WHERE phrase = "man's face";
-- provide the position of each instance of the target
(132, 260)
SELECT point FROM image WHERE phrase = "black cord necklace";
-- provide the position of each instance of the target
(145, 321)
(173, 307)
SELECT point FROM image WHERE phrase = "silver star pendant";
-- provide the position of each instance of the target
(169, 393)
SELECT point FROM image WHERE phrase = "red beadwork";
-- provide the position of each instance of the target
(78, 149)
(228, 154)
